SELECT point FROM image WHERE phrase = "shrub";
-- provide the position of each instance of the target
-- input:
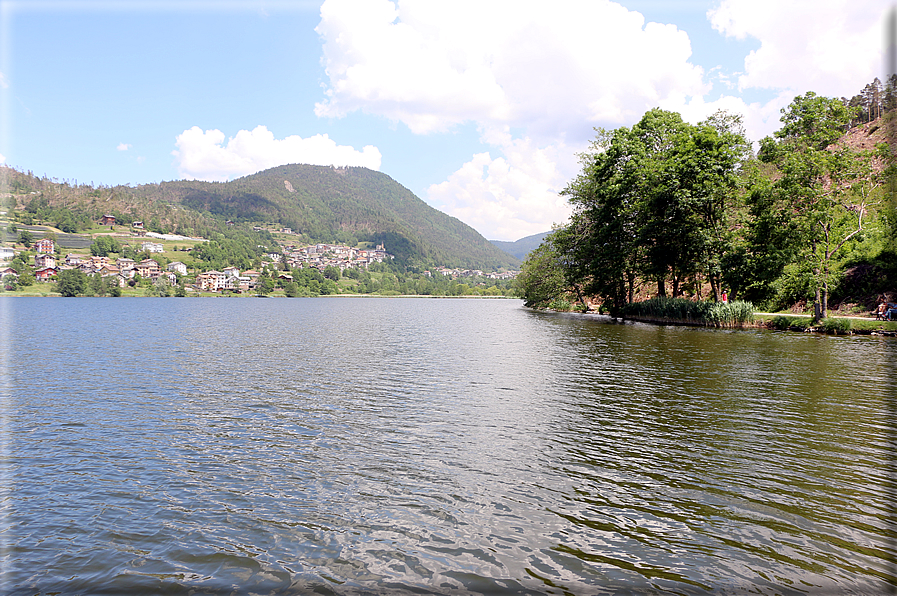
(836, 326)
(560, 304)
(717, 314)
(781, 323)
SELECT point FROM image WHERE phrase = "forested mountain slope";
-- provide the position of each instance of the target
(327, 204)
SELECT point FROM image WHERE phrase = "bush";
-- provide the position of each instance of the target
(718, 314)
(836, 326)
(560, 304)
(71, 282)
(781, 323)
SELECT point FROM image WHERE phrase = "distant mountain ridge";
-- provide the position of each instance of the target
(520, 248)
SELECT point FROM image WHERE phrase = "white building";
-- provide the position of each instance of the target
(152, 247)
(178, 268)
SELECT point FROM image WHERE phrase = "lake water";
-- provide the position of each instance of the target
(448, 446)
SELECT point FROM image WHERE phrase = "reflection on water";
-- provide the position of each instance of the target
(437, 446)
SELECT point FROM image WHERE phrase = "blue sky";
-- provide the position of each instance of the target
(478, 106)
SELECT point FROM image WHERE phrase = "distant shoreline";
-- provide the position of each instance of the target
(57, 295)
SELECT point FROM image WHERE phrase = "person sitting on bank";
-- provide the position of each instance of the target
(891, 313)
(880, 311)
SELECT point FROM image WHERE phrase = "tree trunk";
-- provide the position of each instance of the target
(824, 306)
(579, 295)
(661, 287)
(817, 308)
(714, 287)
(675, 286)
(630, 277)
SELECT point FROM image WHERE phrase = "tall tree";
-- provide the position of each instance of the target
(71, 282)
(829, 188)
(650, 204)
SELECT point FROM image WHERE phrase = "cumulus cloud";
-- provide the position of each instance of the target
(563, 66)
(123, 146)
(203, 155)
(832, 47)
(551, 72)
(510, 196)
(760, 119)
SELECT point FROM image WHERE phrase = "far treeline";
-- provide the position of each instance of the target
(667, 208)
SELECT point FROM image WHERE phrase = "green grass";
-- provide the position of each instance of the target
(873, 325)
(836, 326)
(841, 325)
(560, 304)
(36, 289)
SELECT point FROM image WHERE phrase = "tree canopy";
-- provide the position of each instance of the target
(667, 207)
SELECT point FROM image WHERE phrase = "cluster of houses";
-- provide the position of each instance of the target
(47, 266)
(456, 273)
(319, 256)
(332, 255)
(229, 280)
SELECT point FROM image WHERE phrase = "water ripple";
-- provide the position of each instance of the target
(362, 446)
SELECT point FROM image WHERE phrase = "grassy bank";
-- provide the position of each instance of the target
(832, 325)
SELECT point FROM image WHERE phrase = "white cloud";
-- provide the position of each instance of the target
(3, 83)
(759, 119)
(2, 158)
(554, 68)
(509, 197)
(205, 156)
(832, 47)
(553, 71)
(123, 146)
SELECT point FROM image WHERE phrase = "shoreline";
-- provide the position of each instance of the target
(763, 321)
(58, 295)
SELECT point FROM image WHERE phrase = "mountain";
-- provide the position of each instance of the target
(319, 203)
(327, 204)
(520, 248)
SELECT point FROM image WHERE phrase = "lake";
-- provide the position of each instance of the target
(436, 446)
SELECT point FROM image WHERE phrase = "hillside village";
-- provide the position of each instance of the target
(49, 259)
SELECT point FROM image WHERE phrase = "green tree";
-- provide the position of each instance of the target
(331, 272)
(651, 204)
(829, 189)
(26, 238)
(541, 278)
(71, 282)
(264, 285)
(103, 246)
(96, 285)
